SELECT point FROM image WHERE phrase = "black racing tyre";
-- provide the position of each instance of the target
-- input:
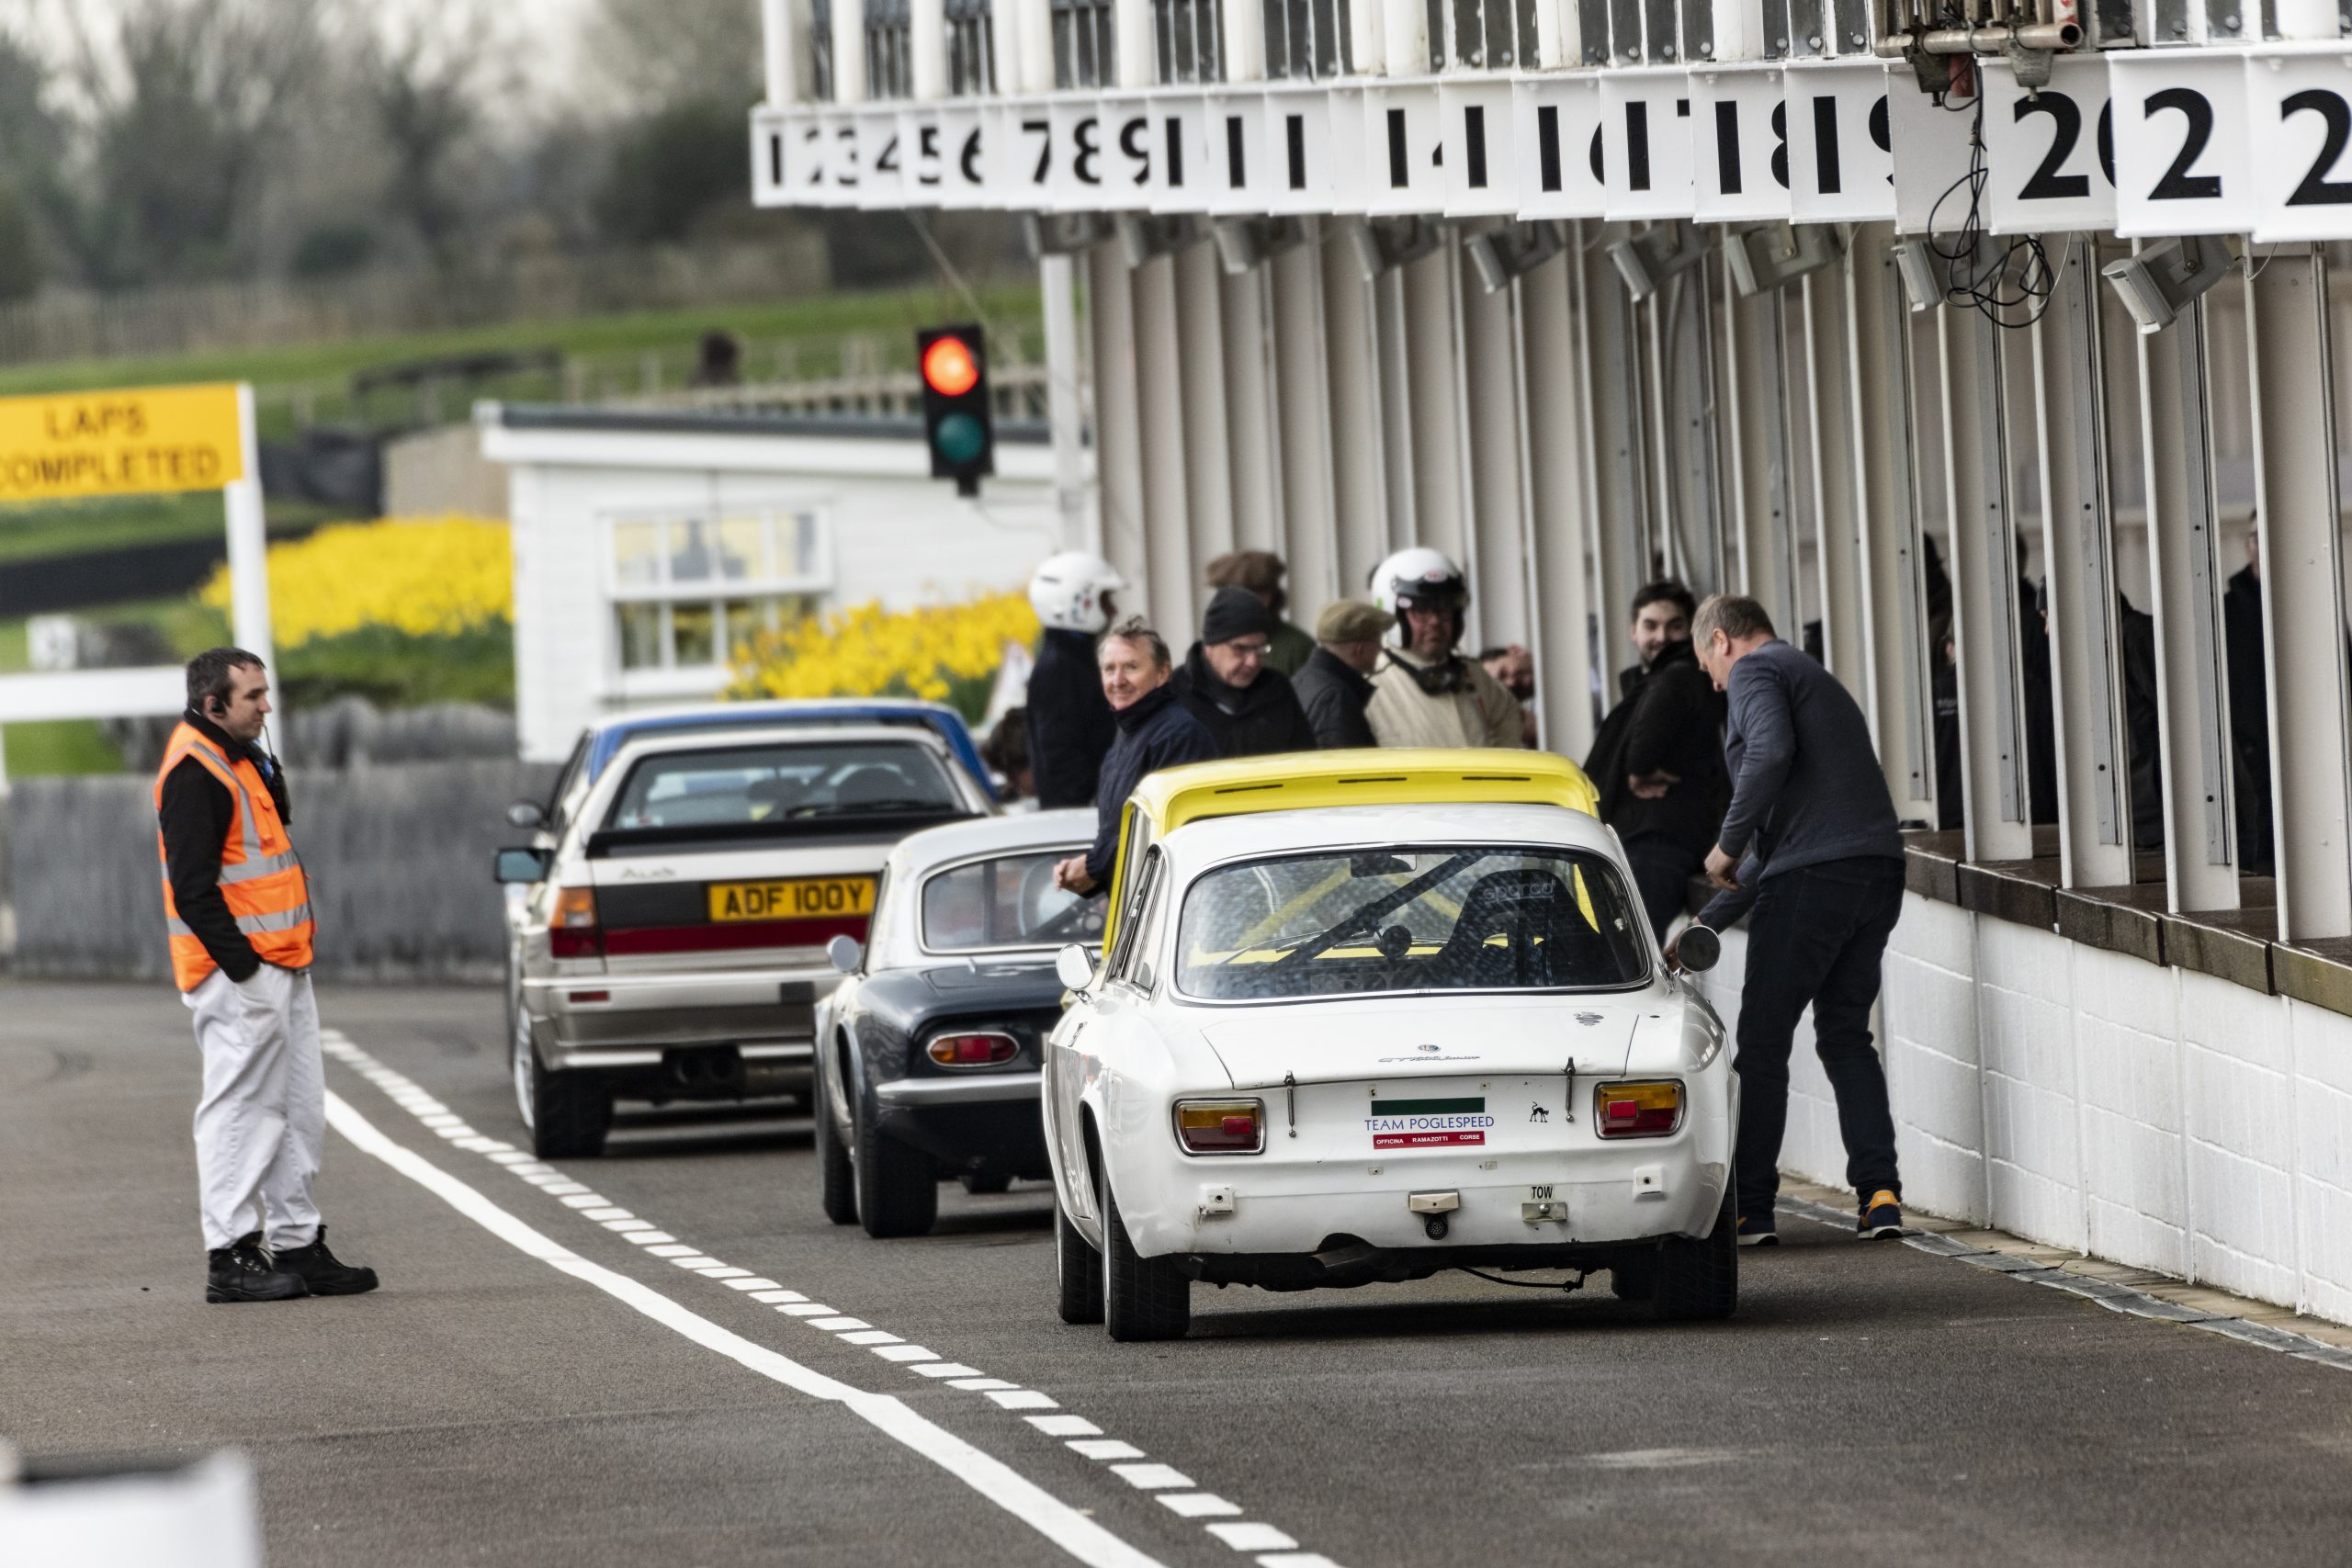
(1078, 1273)
(1143, 1298)
(836, 1183)
(1634, 1277)
(567, 1114)
(981, 1186)
(897, 1189)
(1699, 1281)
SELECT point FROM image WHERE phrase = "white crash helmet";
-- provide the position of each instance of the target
(1067, 592)
(1421, 577)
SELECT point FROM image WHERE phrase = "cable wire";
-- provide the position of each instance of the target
(1977, 276)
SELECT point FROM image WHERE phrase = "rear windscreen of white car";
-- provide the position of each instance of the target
(1465, 917)
(767, 787)
(1010, 901)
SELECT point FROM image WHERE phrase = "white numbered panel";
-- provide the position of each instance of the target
(1181, 178)
(1297, 151)
(1931, 156)
(1557, 120)
(1840, 153)
(1739, 151)
(1129, 126)
(1076, 181)
(782, 164)
(1240, 174)
(1480, 172)
(2181, 163)
(881, 170)
(1351, 180)
(837, 138)
(1404, 144)
(2051, 156)
(1645, 121)
(1017, 143)
(963, 157)
(922, 153)
(2299, 106)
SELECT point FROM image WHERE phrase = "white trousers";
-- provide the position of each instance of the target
(262, 1121)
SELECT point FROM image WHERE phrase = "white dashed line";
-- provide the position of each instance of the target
(1067, 1526)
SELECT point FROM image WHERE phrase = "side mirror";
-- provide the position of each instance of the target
(526, 814)
(525, 865)
(843, 953)
(1074, 967)
(1698, 950)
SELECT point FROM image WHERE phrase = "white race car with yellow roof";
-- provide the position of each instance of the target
(1364, 1017)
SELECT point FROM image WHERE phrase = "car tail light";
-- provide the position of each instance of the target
(982, 1048)
(1221, 1126)
(1637, 1110)
(572, 931)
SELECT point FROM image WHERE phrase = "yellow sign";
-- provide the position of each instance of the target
(795, 898)
(137, 441)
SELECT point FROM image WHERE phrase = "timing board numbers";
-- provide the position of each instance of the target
(2182, 158)
(1739, 145)
(1404, 149)
(1647, 142)
(1297, 151)
(1557, 125)
(1840, 146)
(1481, 178)
(2299, 104)
(2049, 154)
(1931, 156)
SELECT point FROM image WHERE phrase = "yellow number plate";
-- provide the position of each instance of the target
(795, 898)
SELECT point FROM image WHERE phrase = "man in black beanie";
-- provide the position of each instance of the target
(1246, 706)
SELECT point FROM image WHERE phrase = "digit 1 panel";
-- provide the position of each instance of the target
(1480, 170)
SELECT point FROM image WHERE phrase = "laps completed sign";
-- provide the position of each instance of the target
(137, 441)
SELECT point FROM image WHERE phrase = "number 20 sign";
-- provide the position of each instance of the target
(2299, 109)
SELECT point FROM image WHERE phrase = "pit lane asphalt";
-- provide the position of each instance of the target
(1870, 1403)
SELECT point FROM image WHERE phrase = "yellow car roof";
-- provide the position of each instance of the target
(1298, 781)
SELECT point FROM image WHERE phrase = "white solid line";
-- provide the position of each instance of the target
(987, 1476)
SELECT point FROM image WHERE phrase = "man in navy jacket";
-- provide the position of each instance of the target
(1156, 731)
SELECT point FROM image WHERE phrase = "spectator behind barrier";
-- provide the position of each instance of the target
(1155, 732)
(1248, 708)
(1335, 685)
(1261, 572)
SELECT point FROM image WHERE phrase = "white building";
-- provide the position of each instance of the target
(1580, 293)
(648, 546)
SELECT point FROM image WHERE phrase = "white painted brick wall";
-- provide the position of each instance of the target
(2155, 1117)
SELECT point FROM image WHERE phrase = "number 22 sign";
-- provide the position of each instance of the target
(2299, 106)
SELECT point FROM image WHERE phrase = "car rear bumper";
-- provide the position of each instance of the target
(987, 1124)
(632, 1020)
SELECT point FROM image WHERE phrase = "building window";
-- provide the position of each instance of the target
(1082, 55)
(971, 48)
(1307, 40)
(688, 593)
(889, 49)
(1189, 37)
(1492, 35)
(820, 51)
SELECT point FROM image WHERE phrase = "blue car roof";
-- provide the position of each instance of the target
(608, 735)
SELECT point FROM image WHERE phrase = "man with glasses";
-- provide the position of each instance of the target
(1246, 706)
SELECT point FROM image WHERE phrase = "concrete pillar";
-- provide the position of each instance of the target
(1561, 525)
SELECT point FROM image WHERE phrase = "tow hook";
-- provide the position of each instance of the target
(1436, 1205)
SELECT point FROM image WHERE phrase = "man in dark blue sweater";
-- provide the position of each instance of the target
(1810, 840)
(1156, 731)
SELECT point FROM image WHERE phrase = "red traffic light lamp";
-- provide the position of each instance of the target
(959, 424)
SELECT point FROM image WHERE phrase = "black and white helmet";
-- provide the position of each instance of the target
(1420, 578)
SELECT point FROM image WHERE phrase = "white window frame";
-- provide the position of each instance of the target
(671, 678)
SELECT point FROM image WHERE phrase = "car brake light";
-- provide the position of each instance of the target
(572, 931)
(981, 1049)
(1637, 1110)
(1221, 1126)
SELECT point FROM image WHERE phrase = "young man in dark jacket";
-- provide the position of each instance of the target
(1659, 761)
(1248, 707)
(1337, 680)
(1155, 732)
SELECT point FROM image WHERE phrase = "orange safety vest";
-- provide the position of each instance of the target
(261, 877)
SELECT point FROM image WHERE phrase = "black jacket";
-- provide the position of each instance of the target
(1333, 695)
(1069, 724)
(195, 816)
(1155, 732)
(2249, 718)
(1244, 721)
(1669, 717)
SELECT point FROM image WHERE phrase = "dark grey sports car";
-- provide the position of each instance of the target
(929, 1051)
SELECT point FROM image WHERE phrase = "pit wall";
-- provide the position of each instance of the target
(2146, 1114)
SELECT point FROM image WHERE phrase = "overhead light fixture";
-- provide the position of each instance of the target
(1245, 243)
(1917, 263)
(1773, 255)
(1647, 260)
(1063, 233)
(1513, 250)
(2167, 277)
(1145, 238)
(1382, 244)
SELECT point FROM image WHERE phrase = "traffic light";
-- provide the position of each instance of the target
(956, 421)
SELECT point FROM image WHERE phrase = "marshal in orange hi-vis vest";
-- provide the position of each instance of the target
(260, 877)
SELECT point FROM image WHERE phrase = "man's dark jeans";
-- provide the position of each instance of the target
(1662, 871)
(1816, 937)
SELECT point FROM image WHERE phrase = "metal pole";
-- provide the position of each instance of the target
(249, 546)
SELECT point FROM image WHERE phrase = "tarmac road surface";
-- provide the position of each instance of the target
(533, 1386)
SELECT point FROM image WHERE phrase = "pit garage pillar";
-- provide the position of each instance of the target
(2299, 509)
(1563, 525)
(1304, 427)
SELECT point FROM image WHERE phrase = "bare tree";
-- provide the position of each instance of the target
(425, 84)
(656, 55)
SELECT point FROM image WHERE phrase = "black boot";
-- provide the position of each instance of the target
(323, 1271)
(243, 1273)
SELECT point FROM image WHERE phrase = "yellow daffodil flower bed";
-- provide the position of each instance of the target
(441, 578)
(942, 653)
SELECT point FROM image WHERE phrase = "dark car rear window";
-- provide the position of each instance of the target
(772, 785)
